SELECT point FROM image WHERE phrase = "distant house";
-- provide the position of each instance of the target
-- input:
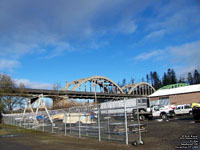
(176, 95)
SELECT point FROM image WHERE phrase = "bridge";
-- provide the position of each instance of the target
(100, 84)
(96, 87)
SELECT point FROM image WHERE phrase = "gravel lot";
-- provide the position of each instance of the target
(160, 135)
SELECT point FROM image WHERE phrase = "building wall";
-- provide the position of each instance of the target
(178, 99)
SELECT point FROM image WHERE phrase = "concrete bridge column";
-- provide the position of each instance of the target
(59, 102)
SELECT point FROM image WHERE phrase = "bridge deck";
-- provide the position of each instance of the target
(73, 94)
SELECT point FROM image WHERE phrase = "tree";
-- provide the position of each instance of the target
(147, 77)
(165, 80)
(156, 83)
(151, 77)
(132, 80)
(196, 78)
(190, 78)
(123, 83)
(7, 101)
(181, 80)
(173, 77)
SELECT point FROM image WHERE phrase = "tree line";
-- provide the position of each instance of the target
(169, 77)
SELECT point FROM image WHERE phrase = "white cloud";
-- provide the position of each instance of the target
(52, 28)
(8, 64)
(48, 29)
(183, 58)
(183, 70)
(147, 55)
(58, 49)
(126, 26)
(155, 34)
(34, 85)
(188, 53)
(176, 17)
(17, 49)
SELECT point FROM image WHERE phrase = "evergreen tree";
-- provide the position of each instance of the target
(132, 80)
(151, 77)
(142, 79)
(123, 82)
(173, 77)
(156, 81)
(181, 80)
(164, 80)
(147, 77)
(196, 78)
(170, 77)
(190, 78)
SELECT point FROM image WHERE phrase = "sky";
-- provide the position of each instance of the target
(46, 42)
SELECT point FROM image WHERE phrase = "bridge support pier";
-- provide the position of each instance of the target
(59, 102)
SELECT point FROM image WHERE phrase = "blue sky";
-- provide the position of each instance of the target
(46, 42)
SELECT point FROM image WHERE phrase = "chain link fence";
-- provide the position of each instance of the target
(95, 121)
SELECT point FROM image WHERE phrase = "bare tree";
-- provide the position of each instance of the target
(7, 101)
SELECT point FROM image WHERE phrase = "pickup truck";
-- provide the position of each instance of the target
(163, 112)
(183, 109)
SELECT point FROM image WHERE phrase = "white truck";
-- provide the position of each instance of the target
(142, 104)
(163, 112)
(183, 109)
(117, 107)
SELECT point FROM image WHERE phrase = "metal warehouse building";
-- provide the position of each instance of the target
(176, 96)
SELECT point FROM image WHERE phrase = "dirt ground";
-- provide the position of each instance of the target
(165, 135)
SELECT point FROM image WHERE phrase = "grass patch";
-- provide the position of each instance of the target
(8, 129)
(3, 132)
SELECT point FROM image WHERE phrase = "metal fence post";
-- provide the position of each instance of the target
(65, 123)
(79, 123)
(43, 125)
(13, 120)
(24, 121)
(99, 125)
(125, 116)
(108, 122)
(10, 120)
(52, 127)
(87, 116)
(139, 130)
(70, 125)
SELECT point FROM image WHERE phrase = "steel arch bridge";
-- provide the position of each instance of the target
(102, 84)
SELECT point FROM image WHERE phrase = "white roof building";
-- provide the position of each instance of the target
(179, 90)
(180, 95)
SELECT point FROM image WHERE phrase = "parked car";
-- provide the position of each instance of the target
(183, 109)
(163, 112)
